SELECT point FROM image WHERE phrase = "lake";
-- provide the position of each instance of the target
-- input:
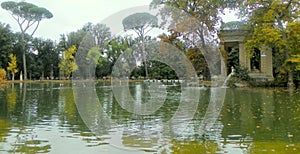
(43, 117)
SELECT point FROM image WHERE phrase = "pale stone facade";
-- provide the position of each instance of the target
(259, 65)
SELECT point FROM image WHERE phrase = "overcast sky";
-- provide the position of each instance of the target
(71, 15)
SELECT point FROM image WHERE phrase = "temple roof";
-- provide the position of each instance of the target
(233, 25)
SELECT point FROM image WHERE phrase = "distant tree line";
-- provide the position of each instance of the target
(272, 23)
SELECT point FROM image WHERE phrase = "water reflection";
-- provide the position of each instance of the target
(44, 116)
(11, 97)
(5, 125)
(261, 120)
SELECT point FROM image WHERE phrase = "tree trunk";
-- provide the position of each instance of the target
(290, 83)
(42, 77)
(13, 76)
(24, 64)
(144, 57)
(24, 56)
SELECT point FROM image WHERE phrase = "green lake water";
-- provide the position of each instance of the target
(43, 118)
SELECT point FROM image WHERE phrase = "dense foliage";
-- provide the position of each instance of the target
(12, 65)
(67, 64)
(27, 16)
(2, 74)
(273, 23)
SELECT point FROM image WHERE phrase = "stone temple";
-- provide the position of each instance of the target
(233, 36)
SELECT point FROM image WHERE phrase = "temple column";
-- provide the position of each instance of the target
(243, 58)
(223, 59)
(266, 62)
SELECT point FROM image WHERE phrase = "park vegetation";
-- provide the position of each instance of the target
(273, 23)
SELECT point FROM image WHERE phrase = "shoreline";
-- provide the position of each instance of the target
(201, 83)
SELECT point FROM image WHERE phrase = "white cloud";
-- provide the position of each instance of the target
(70, 15)
(229, 15)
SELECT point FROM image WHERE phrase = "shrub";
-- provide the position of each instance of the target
(2, 74)
(242, 73)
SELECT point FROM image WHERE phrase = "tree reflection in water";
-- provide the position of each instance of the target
(45, 116)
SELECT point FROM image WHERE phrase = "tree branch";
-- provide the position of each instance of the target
(22, 21)
(137, 32)
(27, 26)
(148, 30)
(17, 19)
(287, 6)
(32, 23)
(38, 23)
